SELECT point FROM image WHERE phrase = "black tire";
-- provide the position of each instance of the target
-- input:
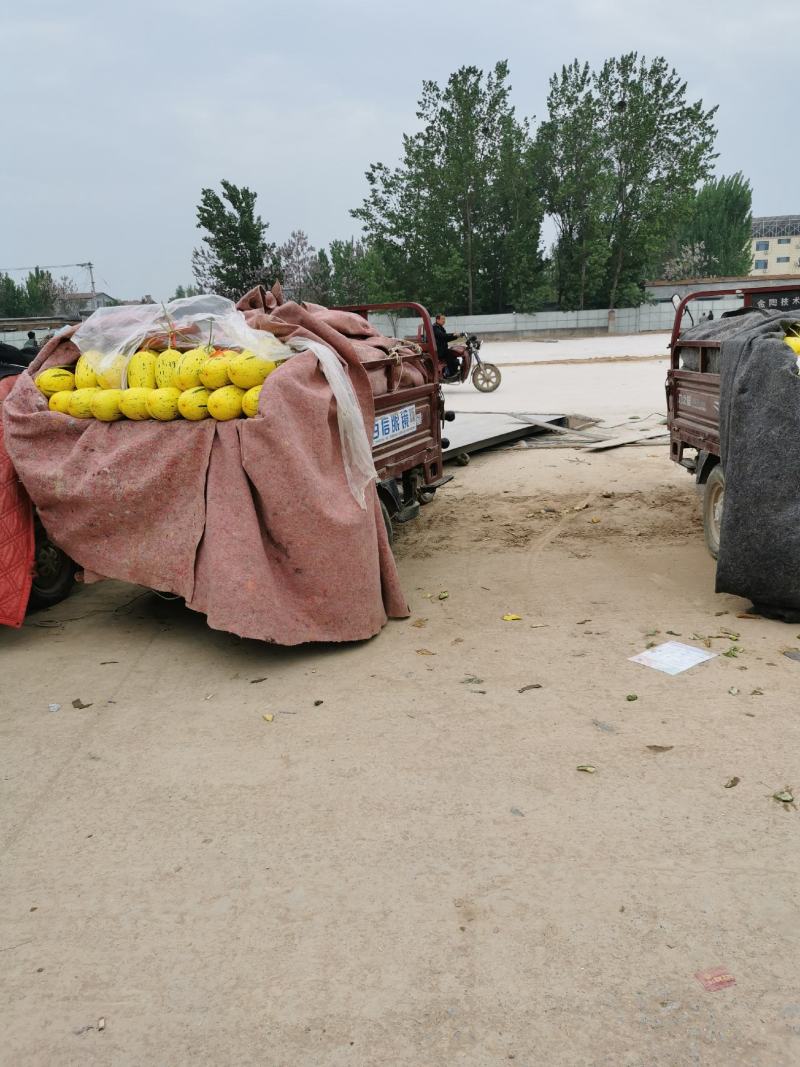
(53, 573)
(486, 378)
(713, 502)
(462, 459)
(387, 522)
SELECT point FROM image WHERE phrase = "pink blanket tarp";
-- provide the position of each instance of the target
(251, 521)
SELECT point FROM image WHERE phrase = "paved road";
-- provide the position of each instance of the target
(608, 391)
(639, 344)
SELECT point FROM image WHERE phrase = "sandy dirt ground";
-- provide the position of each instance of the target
(404, 867)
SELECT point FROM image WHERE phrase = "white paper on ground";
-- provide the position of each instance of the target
(673, 657)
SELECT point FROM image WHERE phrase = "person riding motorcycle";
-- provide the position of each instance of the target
(445, 353)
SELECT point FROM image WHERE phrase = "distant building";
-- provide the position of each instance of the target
(146, 299)
(662, 291)
(776, 245)
(81, 305)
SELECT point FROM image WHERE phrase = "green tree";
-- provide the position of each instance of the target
(457, 223)
(182, 291)
(297, 257)
(511, 274)
(234, 255)
(349, 277)
(577, 192)
(720, 226)
(40, 291)
(38, 294)
(658, 147)
(13, 298)
(619, 200)
(319, 283)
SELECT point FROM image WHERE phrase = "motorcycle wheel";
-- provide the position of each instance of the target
(486, 378)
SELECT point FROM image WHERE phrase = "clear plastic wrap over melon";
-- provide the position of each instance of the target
(111, 336)
(113, 332)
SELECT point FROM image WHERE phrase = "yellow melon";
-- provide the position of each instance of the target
(214, 374)
(142, 370)
(55, 380)
(60, 401)
(163, 403)
(85, 377)
(250, 401)
(226, 403)
(109, 374)
(80, 402)
(167, 363)
(187, 375)
(193, 403)
(105, 405)
(247, 369)
(133, 403)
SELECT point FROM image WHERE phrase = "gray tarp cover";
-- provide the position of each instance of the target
(759, 552)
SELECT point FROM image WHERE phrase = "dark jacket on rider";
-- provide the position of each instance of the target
(446, 355)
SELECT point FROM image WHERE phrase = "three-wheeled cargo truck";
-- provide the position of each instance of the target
(407, 436)
(693, 393)
(406, 446)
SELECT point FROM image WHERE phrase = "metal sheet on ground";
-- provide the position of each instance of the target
(475, 431)
(628, 439)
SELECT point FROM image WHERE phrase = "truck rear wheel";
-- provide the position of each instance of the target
(713, 501)
(53, 573)
(387, 522)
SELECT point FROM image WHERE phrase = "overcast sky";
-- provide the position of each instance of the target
(121, 114)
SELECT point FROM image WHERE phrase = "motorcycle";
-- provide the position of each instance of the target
(53, 570)
(485, 376)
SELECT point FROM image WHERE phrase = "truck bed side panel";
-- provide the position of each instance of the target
(407, 432)
(694, 410)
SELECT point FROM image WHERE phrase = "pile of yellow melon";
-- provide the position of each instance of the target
(194, 385)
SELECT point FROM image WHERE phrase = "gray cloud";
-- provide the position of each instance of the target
(121, 115)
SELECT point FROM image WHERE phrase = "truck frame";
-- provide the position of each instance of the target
(693, 399)
(406, 447)
(407, 438)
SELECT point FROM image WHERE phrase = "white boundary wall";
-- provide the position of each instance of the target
(648, 317)
(657, 317)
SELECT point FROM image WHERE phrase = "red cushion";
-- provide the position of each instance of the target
(16, 534)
